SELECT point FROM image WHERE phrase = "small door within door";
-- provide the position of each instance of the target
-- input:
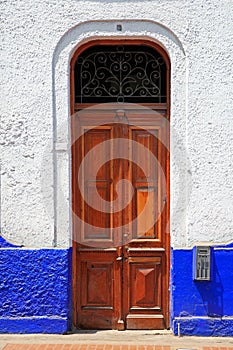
(120, 190)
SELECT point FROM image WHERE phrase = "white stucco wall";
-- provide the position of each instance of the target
(38, 40)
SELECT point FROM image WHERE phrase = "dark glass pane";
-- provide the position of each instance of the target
(128, 73)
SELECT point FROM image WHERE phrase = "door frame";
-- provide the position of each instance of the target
(74, 107)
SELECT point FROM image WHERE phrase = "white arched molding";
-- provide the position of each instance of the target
(180, 184)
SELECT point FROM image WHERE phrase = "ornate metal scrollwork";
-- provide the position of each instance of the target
(127, 73)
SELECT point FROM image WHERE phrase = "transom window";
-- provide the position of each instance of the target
(123, 73)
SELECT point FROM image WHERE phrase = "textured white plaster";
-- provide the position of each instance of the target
(38, 40)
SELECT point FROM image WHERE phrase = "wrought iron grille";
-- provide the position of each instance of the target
(128, 73)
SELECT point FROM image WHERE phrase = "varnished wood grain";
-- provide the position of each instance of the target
(124, 283)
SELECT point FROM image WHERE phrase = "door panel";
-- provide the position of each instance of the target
(97, 280)
(145, 292)
(145, 182)
(146, 196)
(121, 254)
(145, 297)
(96, 218)
(92, 182)
(99, 182)
(98, 284)
(144, 275)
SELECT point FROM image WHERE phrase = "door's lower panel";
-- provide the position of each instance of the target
(101, 292)
(97, 278)
(145, 308)
(141, 321)
(145, 283)
(96, 319)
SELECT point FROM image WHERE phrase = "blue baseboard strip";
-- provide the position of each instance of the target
(32, 325)
(203, 326)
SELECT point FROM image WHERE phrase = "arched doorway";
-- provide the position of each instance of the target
(120, 185)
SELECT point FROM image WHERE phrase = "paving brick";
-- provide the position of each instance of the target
(105, 347)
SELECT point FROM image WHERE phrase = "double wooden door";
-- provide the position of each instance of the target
(120, 218)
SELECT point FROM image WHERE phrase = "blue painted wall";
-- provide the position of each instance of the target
(202, 307)
(35, 290)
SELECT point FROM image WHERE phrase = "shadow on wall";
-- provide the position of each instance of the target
(211, 292)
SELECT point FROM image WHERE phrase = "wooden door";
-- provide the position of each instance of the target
(120, 214)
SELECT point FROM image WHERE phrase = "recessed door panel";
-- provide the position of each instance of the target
(95, 184)
(97, 282)
(100, 218)
(146, 178)
(146, 210)
(145, 280)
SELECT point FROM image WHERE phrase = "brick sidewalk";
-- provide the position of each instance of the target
(102, 347)
(113, 340)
